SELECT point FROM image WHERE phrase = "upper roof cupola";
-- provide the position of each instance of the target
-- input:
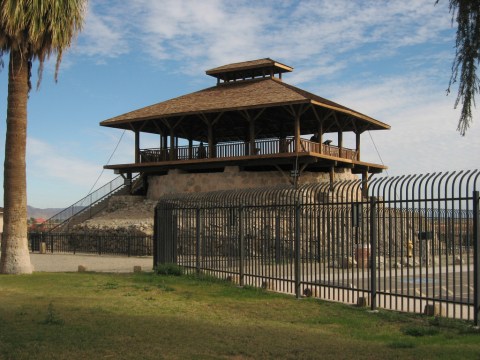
(247, 70)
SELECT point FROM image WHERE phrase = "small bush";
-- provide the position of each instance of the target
(169, 269)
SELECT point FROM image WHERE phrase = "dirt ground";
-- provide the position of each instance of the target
(96, 263)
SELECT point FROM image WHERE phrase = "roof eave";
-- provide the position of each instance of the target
(110, 123)
(380, 124)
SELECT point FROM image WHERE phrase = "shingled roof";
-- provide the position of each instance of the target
(227, 99)
(246, 69)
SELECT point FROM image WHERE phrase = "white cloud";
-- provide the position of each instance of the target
(423, 136)
(104, 36)
(47, 161)
(48, 164)
(213, 32)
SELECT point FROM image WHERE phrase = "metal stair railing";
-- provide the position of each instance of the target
(86, 203)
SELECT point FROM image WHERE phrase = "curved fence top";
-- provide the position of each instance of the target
(447, 185)
(457, 184)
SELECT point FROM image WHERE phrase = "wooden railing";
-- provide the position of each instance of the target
(240, 148)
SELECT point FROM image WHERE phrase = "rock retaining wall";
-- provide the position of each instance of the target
(124, 215)
(178, 182)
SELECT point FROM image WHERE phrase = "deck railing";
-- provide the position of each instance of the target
(240, 148)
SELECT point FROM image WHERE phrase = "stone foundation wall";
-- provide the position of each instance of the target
(178, 182)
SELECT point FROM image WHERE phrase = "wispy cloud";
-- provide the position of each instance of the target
(215, 32)
(72, 175)
(423, 136)
(46, 161)
(104, 35)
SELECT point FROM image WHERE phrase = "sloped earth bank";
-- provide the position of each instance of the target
(129, 215)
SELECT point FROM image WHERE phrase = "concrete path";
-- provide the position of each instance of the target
(97, 263)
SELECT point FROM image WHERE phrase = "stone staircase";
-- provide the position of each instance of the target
(92, 204)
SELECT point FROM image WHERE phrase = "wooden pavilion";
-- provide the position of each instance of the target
(250, 119)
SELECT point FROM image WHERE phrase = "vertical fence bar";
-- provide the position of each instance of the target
(373, 250)
(74, 241)
(174, 242)
(241, 245)
(155, 237)
(297, 252)
(197, 239)
(277, 240)
(476, 258)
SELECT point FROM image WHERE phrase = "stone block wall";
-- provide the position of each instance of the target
(178, 182)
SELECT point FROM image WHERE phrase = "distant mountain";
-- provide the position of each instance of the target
(41, 213)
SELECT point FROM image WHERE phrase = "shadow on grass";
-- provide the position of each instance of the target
(149, 316)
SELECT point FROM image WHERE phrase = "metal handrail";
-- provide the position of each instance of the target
(85, 203)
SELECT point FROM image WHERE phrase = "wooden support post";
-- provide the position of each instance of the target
(340, 143)
(297, 132)
(357, 145)
(252, 135)
(137, 146)
(172, 144)
(320, 136)
(190, 148)
(211, 145)
(164, 146)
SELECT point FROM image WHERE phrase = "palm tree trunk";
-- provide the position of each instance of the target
(15, 258)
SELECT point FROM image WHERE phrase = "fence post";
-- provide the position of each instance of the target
(198, 239)
(51, 242)
(129, 237)
(476, 258)
(297, 252)
(75, 238)
(277, 240)
(373, 251)
(155, 238)
(241, 245)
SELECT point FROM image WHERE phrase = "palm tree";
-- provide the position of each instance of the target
(29, 30)
(467, 58)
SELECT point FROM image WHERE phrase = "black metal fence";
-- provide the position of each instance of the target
(410, 245)
(91, 243)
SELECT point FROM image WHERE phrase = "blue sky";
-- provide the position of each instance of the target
(388, 59)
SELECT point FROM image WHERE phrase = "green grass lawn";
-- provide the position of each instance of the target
(147, 316)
